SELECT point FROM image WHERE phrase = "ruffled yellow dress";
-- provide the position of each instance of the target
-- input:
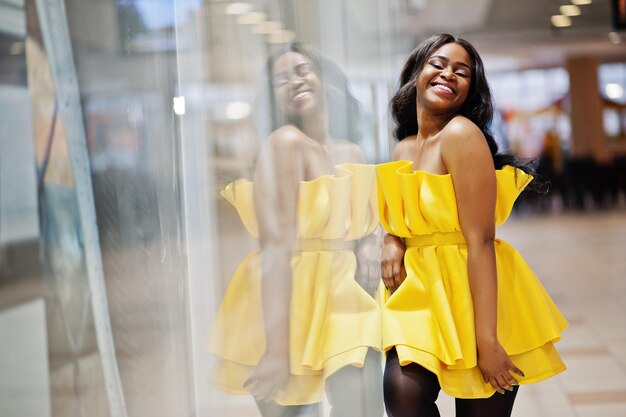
(333, 321)
(430, 317)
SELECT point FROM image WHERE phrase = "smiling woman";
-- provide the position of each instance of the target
(296, 85)
(309, 323)
(300, 83)
(463, 313)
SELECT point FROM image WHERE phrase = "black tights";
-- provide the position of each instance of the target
(351, 392)
(411, 391)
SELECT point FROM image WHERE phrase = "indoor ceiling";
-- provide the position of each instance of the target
(510, 34)
(513, 34)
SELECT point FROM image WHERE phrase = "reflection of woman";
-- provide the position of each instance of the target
(463, 313)
(294, 318)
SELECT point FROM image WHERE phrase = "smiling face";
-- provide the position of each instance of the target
(445, 80)
(297, 87)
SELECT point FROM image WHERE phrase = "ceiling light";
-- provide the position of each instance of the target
(282, 36)
(570, 10)
(238, 8)
(265, 28)
(251, 18)
(581, 2)
(179, 105)
(615, 38)
(614, 91)
(560, 21)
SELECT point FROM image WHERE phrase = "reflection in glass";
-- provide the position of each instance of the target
(299, 317)
(67, 292)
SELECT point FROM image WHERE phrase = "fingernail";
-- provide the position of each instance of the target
(510, 388)
(501, 391)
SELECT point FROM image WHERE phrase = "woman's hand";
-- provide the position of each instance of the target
(269, 377)
(392, 262)
(368, 261)
(496, 367)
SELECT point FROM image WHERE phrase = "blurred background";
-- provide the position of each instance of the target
(121, 120)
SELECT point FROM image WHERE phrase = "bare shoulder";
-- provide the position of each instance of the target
(282, 158)
(288, 136)
(460, 128)
(285, 144)
(461, 134)
(464, 144)
(402, 148)
(349, 151)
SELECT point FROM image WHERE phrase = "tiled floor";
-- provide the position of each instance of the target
(581, 259)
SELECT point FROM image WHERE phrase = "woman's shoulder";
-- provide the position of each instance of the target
(401, 148)
(289, 139)
(349, 151)
(460, 126)
(463, 144)
(288, 135)
(285, 143)
(462, 132)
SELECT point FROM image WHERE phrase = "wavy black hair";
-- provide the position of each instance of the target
(478, 106)
(344, 110)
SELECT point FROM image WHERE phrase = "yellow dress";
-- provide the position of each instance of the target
(333, 321)
(430, 317)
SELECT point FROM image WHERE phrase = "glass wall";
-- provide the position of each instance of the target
(127, 120)
(132, 135)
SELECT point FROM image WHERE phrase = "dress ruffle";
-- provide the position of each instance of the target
(339, 206)
(333, 321)
(430, 317)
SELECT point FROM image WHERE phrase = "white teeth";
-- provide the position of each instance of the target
(300, 95)
(444, 87)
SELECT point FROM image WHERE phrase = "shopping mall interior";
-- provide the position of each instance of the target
(125, 123)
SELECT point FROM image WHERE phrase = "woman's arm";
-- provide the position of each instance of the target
(368, 250)
(392, 262)
(368, 247)
(393, 247)
(279, 170)
(467, 157)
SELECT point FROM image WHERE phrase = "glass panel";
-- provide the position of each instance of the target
(175, 104)
(188, 213)
(125, 55)
(232, 81)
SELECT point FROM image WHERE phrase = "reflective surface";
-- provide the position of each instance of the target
(174, 105)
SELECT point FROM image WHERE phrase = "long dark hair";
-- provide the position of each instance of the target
(478, 106)
(344, 110)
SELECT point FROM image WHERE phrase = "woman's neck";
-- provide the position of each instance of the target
(316, 127)
(430, 124)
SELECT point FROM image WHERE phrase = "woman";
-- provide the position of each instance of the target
(463, 312)
(294, 319)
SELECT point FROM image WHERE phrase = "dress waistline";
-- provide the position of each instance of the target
(435, 239)
(321, 245)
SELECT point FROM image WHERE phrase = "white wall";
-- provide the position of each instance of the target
(18, 185)
(24, 381)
